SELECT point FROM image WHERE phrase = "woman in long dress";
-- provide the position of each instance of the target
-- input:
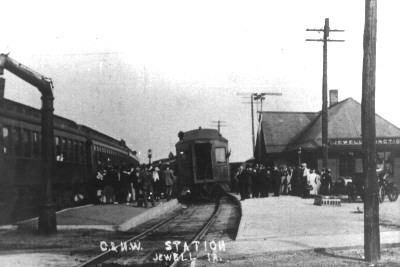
(313, 182)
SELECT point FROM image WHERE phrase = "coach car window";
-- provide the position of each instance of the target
(26, 139)
(70, 151)
(6, 140)
(36, 144)
(64, 148)
(58, 146)
(16, 136)
(81, 152)
(220, 154)
(76, 150)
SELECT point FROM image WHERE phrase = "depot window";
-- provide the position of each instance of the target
(220, 154)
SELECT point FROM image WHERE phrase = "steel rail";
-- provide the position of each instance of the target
(112, 253)
(203, 230)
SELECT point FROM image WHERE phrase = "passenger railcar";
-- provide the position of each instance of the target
(202, 161)
(79, 150)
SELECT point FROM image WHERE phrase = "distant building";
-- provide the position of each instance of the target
(290, 137)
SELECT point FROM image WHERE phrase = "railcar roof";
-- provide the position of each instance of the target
(203, 134)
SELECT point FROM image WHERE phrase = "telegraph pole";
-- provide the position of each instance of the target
(326, 30)
(255, 96)
(219, 125)
(371, 205)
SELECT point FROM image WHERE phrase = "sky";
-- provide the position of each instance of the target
(145, 70)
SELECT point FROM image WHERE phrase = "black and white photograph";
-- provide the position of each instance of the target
(199, 133)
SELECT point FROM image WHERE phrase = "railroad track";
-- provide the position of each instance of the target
(168, 243)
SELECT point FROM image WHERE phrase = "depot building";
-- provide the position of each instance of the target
(292, 137)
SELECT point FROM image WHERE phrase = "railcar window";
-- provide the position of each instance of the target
(36, 144)
(26, 138)
(81, 152)
(70, 150)
(220, 154)
(76, 145)
(9, 106)
(64, 148)
(36, 114)
(6, 139)
(20, 109)
(16, 135)
(58, 147)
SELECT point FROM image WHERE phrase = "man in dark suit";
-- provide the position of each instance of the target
(248, 174)
(276, 179)
(147, 186)
(169, 181)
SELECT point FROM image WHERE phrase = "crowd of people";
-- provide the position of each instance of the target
(146, 183)
(256, 181)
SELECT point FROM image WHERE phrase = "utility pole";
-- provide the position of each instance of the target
(219, 125)
(371, 205)
(326, 30)
(253, 97)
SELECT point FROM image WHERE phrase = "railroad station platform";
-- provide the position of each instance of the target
(109, 217)
(289, 223)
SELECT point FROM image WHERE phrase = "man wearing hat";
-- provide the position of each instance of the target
(326, 182)
(169, 181)
(147, 186)
(248, 180)
(305, 180)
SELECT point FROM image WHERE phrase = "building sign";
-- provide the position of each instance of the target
(358, 141)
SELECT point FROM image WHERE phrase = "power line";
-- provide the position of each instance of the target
(219, 124)
(255, 96)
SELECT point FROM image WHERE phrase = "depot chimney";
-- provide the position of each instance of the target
(333, 97)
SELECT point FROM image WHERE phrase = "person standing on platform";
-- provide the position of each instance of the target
(248, 174)
(108, 191)
(236, 179)
(318, 181)
(294, 181)
(283, 186)
(147, 186)
(305, 180)
(326, 181)
(289, 180)
(268, 181)
(125, 185)
(262, 181)
(255, 185)
(156, 182)
(99, 185)
(276, 180)
(169, 181)
(313, 182)
(242, 183)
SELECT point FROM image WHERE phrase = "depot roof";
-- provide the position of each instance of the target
(287, 131)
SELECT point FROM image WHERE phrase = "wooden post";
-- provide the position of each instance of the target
(371, 204)
(252, 123)
(325, 97)
(324, 114)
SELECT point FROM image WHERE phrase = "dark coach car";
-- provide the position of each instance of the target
(78, 152)
(202, 161)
